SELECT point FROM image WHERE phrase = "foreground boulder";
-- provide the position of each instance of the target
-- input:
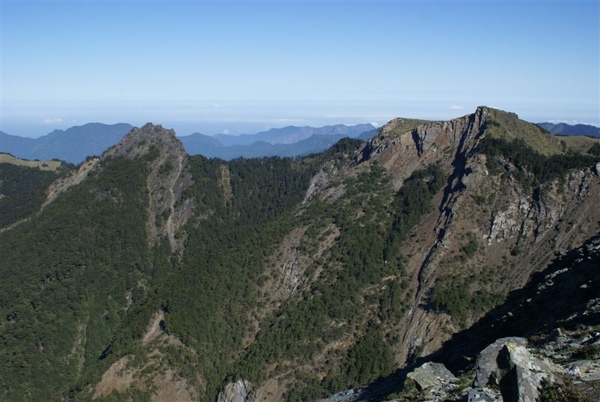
(508, 366)
(429, 375)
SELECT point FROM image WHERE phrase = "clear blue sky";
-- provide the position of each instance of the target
(244, 66)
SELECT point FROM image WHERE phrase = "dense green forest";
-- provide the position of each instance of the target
(23, 190)
(82, 281)
(66, 274)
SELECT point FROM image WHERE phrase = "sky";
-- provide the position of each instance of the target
(246, 66)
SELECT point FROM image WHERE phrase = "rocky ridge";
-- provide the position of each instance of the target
(525, 225)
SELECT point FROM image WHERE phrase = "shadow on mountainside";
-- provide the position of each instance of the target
(566, 294)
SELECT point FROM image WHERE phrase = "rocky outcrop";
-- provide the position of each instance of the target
(168, 177)
(238, 391)
(432, 379)
(508, 366)
(487, 364)
(430, 375)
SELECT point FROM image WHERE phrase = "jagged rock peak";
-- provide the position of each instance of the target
(148, 138)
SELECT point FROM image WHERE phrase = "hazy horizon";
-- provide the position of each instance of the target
(247, 66)
(234, 127)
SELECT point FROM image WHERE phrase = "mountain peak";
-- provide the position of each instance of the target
(147, 139)
(168, 177)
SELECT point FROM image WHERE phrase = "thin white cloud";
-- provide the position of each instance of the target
(457, 107)
(52, 121)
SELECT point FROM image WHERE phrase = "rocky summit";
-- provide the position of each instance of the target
(441, 260)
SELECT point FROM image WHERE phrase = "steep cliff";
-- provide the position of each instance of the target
(491, 228)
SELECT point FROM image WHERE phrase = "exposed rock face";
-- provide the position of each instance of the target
(402, 146)
(517, 229)
(487, 363)
(480, 395)
(504, 217)
(239, 391)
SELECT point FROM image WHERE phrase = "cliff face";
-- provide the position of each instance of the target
(489, 232)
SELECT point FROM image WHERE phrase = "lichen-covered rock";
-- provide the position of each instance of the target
(429, 375)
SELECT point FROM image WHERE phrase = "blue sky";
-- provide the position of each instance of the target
(245, 66)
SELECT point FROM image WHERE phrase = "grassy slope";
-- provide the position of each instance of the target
(53, 165)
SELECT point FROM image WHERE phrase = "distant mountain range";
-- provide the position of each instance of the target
(293, 134)
(287, 141)
(72, 145)
(568, 129)
(76, 143)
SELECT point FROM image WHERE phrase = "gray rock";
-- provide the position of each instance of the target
(428, 376)
(239, 391)
(556, 332)
(487, 365)
(483, 395)
(508, 364)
